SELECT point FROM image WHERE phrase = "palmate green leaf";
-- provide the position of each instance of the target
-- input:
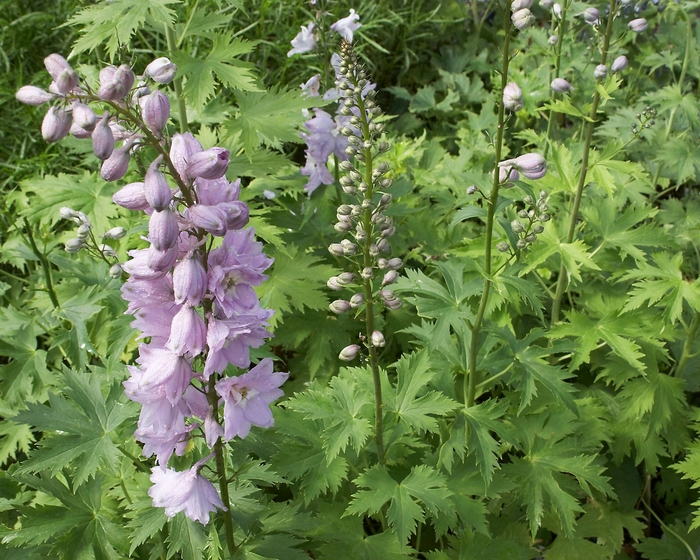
(574, 255)
(220, 65)
(269, 118)
(680, 155)
(482, 419)
(413, 374)
(14, 438)
(80, 439)
(471, 545)
(677, 542)
(617, 331)
(664, 286)
(24, 371)
(297, 280)
(87, 193)
(657, 395)
(116, 22)
(146, 523)
(423, 490)
(186, 537)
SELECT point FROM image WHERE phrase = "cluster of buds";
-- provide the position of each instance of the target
(191, 291)
(646, 120)
(123, 99)
(533, 216)
(364, 219)
(522, 17)
(85, 239)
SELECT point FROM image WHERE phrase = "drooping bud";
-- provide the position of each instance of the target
(55, 64)
(126, 77)
(638, 25)
(334, 283)
(390, 277)
(161, 261)
(209, 164)
(336, 249)
(163, 230)
(211, 219)
(522, 19)
(346, 278)
(155, 186)
(188, 332)
(103, 138)
(74, 245)
(560, 85)
(349, 353)
(66, 81)
(67, 213)
(156, 111)
(84, 231)
(619, 64)
(131, 197)
(377, 339)
(394, 264)
(115, 271)
(116, 166)
(557, 10)
(512, 97)
(591, 16)
(532, 166)
(600, 72)
(31, 95)
(339, 306)
(56, 124)
(516, 226)
(393, 304)
(503, 247)
(114, 233)
(357, 300)
(161, 70)
(189, 281)
(83, 116)
(517, 5)
(237, 214)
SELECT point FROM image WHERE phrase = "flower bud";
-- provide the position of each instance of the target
(67, 213)
(346, 278)
(349, 248)
(336, 249)
(344, 209)
(141, 91)
(334, 283)
(161, 70)
(209, 164)
(115, 271)
(377, 339)
(156, 188)
(237, 214)
(339, 306)
(188, 332)
(560, 85)
(66, 81)
(619, 64)
(505, 174)
(125, 76)
(161, 261)
(521, 244)
(357, 300)
(546, 4)
(638, 25)
(84, 231)
(522, 19)
(116, 166)
(512, 98)
(503, 247)
(532, 166)
(107, 251)
(114, 233)
(31, 95)
(556, 10)
(111, 91)
(600, 72)
(553, 40)
(349, 353)
(103, 138)
(182, 148)
(83, 116)
(156, 111)
(367, 273)
(56, 124)
(591, 16)
(55, 64)
(132, 197)
(74, 245)
(516, 226)
(539, 228)
(471, 190)
(390, 277)
(520, 5)
(163, 230)
(393, 304)
(211, 219)
(189, 281)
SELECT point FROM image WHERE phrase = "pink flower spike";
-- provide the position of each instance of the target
(247, 399)
(184, 491)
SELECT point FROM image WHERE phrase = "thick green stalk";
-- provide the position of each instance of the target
(470, 379)
(219, 453)
(561, 281)
(367, 260)
(177, 82)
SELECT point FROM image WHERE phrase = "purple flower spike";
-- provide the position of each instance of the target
(209, 164)
(184, 491)
(247, 399)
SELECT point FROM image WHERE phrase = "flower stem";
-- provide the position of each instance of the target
(557, 70)
(561, 281)
(219, 453)
(44, 265)
(470, 379)
(691, 332)
(177, 82)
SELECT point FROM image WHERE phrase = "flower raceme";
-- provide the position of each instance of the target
(191, 291)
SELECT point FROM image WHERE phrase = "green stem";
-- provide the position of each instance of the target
(219, 453)
(561, 281)
(557, 70)
(470, 378)
(44, 265)
(690, 338)
(177, 82)
(137, 463)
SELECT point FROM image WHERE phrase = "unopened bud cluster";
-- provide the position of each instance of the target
(85, 239)
(530, 222)
(646, 120)
(364, 220)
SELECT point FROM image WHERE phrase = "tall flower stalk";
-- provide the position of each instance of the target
(365, 220)
(191, 291)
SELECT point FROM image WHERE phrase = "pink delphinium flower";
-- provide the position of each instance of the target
(184, 491)
(247, 399)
